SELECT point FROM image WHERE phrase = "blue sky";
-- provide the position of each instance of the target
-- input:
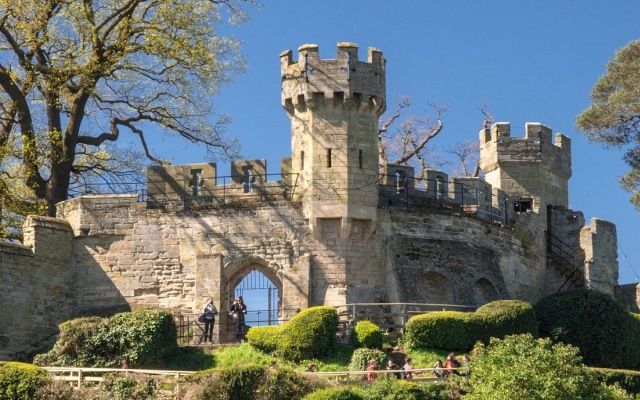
(526, 60)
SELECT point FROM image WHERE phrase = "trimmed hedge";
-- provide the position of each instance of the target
(144, 338)
(361, 357)
(309, 334)
(455, 330)
(605, 333)
(367, 334)
(506, 317)
(337, 394)
(626, 379)
(264, 338)
(19, 381)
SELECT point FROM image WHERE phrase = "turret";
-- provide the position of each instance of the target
(334, 106)
(533, 171)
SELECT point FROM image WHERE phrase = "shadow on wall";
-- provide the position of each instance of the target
(446, 272)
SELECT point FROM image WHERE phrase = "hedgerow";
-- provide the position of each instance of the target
(361, 357)
(454, 330)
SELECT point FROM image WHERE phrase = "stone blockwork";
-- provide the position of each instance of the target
(331, 231)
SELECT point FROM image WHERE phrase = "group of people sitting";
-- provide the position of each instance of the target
(440, 370)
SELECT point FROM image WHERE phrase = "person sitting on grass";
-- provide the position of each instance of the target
(438, 369)
(408, 369)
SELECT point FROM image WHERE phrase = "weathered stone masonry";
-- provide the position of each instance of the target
(329, 231)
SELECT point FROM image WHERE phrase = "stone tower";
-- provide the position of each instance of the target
(334, 106)
(534, 171)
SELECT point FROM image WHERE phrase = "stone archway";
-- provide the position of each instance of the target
(484, 292)
(262, 293)
(435, 288)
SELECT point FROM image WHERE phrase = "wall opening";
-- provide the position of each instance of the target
(435, 288)
(523, 205)
(328, 158)
(261, 295)
(484, 292)
(360, 158)
(248, 179)
(196, 182)
(302, 160)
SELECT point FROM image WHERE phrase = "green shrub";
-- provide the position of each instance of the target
(361, 357)
(20, 381)
(394, 389)
(451, 330)
(522, 367)
(436, 391)
(309, 334)
(129, 388)
(595, 323)
(506, 317)
(626, 379)
(240, 383)
(75, 345)
(367, 334)
(144, 338)
(284, 384)
(264, 338)
(337, 394)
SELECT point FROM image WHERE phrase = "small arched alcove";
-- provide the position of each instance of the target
(435, 288)
(484, 292)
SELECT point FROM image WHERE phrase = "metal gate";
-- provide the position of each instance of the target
(262, 298)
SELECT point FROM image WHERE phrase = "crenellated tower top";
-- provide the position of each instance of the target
(341, 81)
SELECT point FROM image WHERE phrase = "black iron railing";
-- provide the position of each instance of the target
(565, 260)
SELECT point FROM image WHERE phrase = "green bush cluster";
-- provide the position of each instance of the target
(367, 334)
(264, 338)
(522, 367)
(252, 382)
(361, 357)
(605, 333)
(130, 388)
(337, 394)
(454, 330)
(626, 379)
(311, 333)
(142, 338)
(19, 381)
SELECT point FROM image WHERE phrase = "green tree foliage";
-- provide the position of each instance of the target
(613, 118)
(75, 74)
(20, 381)
(605, 333)
(367, 334)
(522, 367)
(142, 338)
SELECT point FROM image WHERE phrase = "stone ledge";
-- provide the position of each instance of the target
(15, 248)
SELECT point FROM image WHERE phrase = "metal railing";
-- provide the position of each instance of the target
(218, 190)
(191, 331)
(393, 317)
(412, 192)
(564, 255)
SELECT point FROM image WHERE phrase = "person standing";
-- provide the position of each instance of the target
(237, 311)
(208, 316)
(371, 368)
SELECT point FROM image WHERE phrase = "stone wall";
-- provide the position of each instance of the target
(36, 291)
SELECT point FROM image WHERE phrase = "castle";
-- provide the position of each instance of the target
(331, 228)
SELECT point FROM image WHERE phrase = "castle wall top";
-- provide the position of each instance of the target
(536, 146)
(310, 80)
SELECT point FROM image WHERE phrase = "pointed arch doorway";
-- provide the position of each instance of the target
(261, 291)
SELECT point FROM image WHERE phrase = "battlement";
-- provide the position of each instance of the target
(344, 81)
(537, 146)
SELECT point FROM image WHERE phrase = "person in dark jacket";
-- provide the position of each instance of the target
(208, 316)
(237, 311)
